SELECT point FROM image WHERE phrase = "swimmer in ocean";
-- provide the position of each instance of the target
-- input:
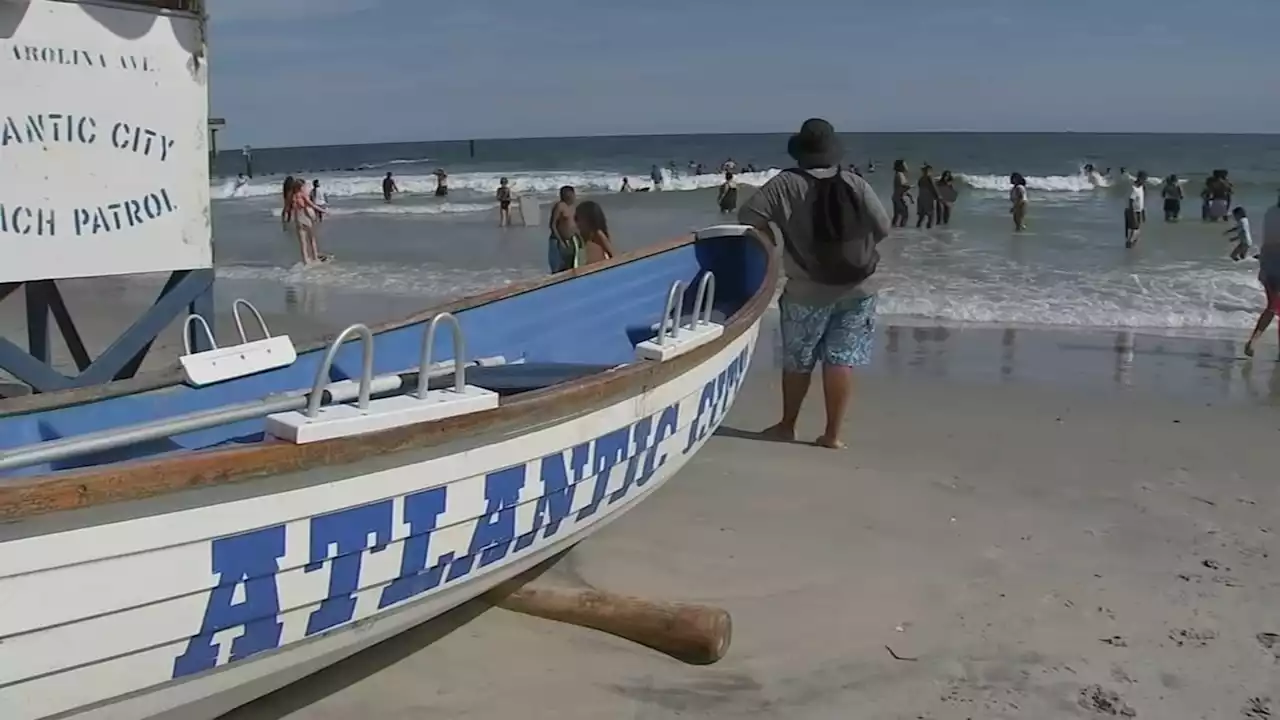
(442, 182)
(388, 187)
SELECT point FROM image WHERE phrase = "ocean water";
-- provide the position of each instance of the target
(1069, 270)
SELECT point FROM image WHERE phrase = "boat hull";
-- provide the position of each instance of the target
(187, 611)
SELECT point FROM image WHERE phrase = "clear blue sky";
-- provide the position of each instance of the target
(310, 72)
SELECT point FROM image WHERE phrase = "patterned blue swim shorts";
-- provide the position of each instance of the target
(838, 333)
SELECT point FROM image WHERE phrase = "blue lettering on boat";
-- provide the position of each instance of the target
(339, 541)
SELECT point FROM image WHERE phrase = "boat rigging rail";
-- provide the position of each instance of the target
(674, 339)
(321, 413)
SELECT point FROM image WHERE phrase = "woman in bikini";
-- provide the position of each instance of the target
(304, 212)
(594, 230)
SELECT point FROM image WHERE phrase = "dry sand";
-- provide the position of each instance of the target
(1026, 552)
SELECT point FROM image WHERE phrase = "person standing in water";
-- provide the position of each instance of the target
(388, 188)
(655, 175)
(319, 199)
(442, 182)
(565, 242)
(594, 231)
(1240, 235)
(305, 214)
(504, 203)
(901, 193)
(927, 199)
(946, 197)
(728, 196)
(1268, 274)
(286, 199)
(1172, 194)
(1135, 214)
(1018, 201)
(626, 185)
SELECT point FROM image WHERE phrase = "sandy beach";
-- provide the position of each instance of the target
(992, 544)
(1027, 524)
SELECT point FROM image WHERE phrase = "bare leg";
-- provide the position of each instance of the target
(837, 388)
(795, 385)
(304, 248)
(315, 246)
(1264, 321)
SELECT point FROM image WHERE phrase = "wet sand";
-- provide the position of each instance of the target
(1027, 524)
(1024, 550)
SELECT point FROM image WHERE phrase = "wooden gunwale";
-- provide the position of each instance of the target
(120, 482)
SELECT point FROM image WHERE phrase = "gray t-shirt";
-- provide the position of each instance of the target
(784, 201)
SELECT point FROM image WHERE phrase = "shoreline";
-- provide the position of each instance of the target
(1031, 549)
(1205, 368)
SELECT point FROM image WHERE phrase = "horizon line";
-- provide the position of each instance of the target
(743, 134)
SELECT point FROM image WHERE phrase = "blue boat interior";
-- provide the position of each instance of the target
(554, 334)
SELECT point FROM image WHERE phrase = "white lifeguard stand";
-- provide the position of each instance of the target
(102, 175)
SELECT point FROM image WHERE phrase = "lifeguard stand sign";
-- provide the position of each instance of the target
(104, 167)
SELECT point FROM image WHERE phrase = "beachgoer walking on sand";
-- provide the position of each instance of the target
(1172, 194)
(442, 182)
(565, 243)
(1240, 235)
(388, 187)
(1268, 273)
(1135, 213)
(286, 200)
(504, 203)
(1018, 201)
(927, 200)
(594, 230)
(901, 193)
(946, 197)
(831, 222)
(728, 195)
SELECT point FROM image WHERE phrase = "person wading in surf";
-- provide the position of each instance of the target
(831, 222)
(564, 245)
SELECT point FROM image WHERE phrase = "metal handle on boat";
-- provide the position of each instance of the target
(366, 369)
(235, 310)
(671, 312)
(428, 353)
(186, 333)
(704, 300)
(102, 440)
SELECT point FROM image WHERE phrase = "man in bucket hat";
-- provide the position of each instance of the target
(824, 317)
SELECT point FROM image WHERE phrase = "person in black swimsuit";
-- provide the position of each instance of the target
(388, 187)
(504, 203)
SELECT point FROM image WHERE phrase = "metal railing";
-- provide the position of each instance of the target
(322, 392)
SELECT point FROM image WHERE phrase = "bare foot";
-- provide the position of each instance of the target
(780, 432)
(833, 443)
(1248, 349)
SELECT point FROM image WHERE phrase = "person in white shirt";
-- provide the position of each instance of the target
(320, 199)
(1268, 273)
(1240, 235)
(1135, 215)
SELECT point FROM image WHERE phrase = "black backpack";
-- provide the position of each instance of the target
(844, 253)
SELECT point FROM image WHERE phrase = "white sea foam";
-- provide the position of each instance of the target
(538, 182)
(1186, 298)
(1080, 182)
